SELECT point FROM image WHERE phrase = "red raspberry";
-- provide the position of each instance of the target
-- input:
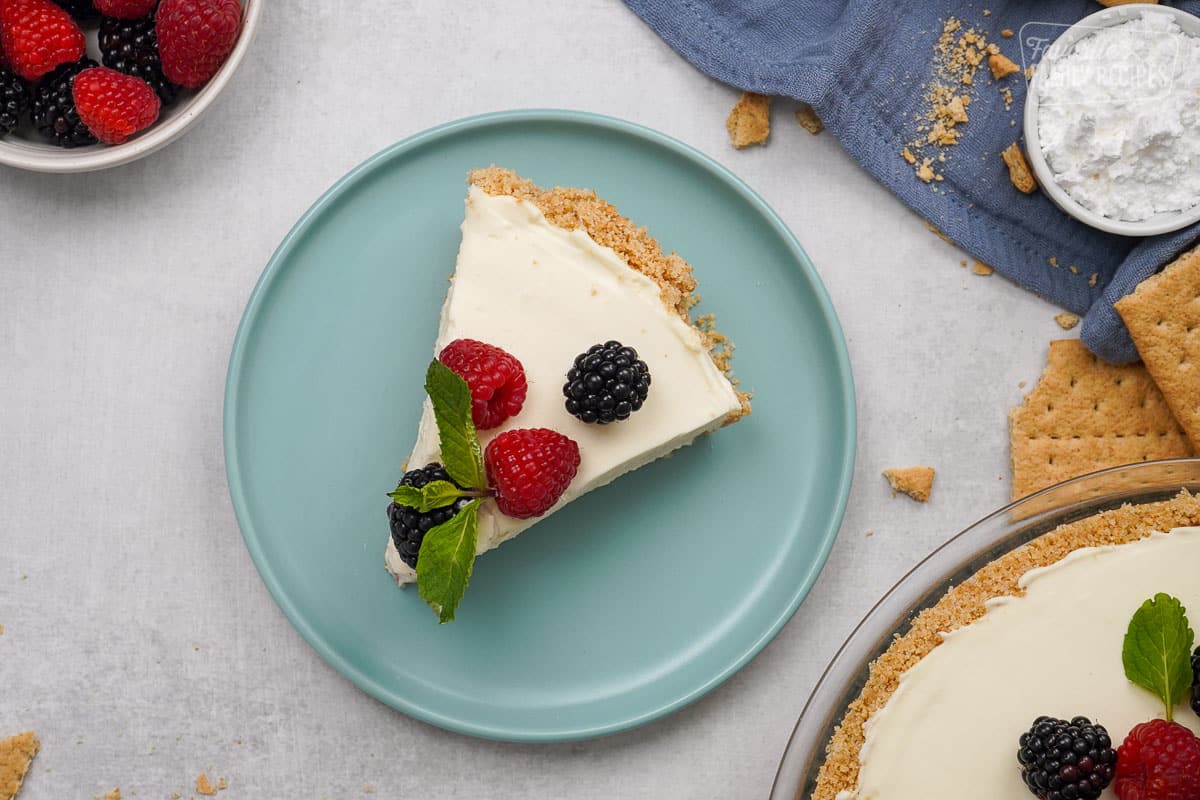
(1158, 760)
(113, 105)
(496, 378)
(36, 36)
(195, 37)
(124, 9)
(530, 468)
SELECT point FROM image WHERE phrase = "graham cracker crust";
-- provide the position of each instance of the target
(572, 209)
(964, 604)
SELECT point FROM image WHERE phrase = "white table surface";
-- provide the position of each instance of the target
(139, 641)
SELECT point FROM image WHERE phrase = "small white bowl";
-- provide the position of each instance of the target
(1159, 223)
(25, 149)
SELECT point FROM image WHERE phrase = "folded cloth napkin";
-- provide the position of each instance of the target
(862, 65)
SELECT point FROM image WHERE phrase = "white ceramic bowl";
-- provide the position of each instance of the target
(1159, 223)
(25, 149)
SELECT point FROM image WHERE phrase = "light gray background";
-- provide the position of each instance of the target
(139, 641)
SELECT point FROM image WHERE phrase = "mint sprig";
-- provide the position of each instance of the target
(451, 397)
(1157, 650)
(446, 559)
(434, 494)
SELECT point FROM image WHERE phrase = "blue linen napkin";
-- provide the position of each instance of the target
(861, 65)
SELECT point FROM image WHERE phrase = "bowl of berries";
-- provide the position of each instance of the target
(1047, 651)
(92, 84)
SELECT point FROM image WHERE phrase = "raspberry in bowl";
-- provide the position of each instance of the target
(183, 51)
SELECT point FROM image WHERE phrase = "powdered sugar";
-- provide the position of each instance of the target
(1119, 118)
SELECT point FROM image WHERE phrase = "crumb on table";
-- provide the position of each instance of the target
(916, 482)
(749, 121)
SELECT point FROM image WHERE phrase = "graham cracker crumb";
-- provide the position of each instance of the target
(1163, 317)
(115, 794)
(16, 754)
(980, 268)
(222, 784)
(203, 786)
(1066, 320)
(957, 55)
(965, 603)
(987, 12)
(1006, 33)
(916, 482)
(808, 119)
(1053, 261)
(750, 120)
(1, 630)
(1083, 415)
(176, 794)
(1001, 66)
(1018, 169)
(574, 209)
(1095, 276)
(1073, 269)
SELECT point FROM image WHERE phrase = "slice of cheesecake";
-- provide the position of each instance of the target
(545, 275)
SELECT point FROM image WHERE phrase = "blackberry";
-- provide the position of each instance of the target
(606, 384)
(82, 11)
(1063, 760)
(131, 46)
(54, 113)
(14, 100)
(408, 525)
(1196, 681)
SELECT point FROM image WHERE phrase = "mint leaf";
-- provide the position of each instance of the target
(1157, 649)
(434, 494)
(445, 560)
(407, 496)
(451, 398)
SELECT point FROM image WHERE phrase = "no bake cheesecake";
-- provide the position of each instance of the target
(548, 277)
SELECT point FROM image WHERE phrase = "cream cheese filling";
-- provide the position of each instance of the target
(955, 718)
(546, 294)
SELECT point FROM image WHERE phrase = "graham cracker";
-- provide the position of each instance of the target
(1066, 320)
(1018, 169)
(916, 482)
(750, 120)
(1163, 317)
(966, 602)
(1084, 415)
(808, 119)
(1001, 66)
(203, 786)
(16, 754)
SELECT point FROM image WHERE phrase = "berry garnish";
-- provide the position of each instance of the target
(114, 105)
(495, 377)
(53, 111)
(195, 37)
(131, 46)
(1063, 760)
(125, 9)
(1158, 760)
(409, 525)
(36, 36)
(606, 384)
(1196, 681)
(529, 469)
(14, 100)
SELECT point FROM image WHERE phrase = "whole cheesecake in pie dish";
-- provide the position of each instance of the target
(573, 332)
(1044, 637)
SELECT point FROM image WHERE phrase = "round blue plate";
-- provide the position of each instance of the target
(636, 599)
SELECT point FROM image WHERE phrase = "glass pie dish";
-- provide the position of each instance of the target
(949, 565)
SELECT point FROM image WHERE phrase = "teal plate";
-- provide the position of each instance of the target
(636, 599)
